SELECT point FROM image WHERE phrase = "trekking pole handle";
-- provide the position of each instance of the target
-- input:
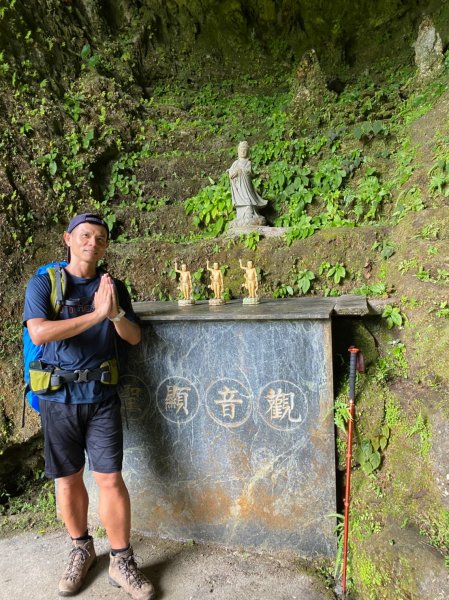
(352, 369)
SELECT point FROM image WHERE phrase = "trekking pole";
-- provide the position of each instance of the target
(355, 362)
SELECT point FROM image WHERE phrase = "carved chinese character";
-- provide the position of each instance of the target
(228, 402)
(281, 405)
(177, 398)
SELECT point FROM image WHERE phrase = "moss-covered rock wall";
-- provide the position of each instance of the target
(135, 109)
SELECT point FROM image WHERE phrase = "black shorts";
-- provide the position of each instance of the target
(72, 430)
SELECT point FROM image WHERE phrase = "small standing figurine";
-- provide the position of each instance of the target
(251, 283)
(185, 285)
(216, 283)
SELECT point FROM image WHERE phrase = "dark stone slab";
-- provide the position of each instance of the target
(285, 309)
(315, 307)
(231, 435)
(352, 305)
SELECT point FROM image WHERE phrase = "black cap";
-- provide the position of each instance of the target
(85, 218)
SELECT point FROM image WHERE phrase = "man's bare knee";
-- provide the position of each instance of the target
(109, 480)
(71, 481)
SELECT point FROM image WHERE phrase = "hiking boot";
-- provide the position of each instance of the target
(123, 572)
(81, 559)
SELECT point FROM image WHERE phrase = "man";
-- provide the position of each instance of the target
(83, 414)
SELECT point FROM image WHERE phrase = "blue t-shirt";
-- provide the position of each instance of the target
(86, 350)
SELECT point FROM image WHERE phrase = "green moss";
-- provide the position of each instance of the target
(370, 577)
(393, 413)
(113, 132)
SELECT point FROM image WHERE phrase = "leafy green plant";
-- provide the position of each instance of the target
(341, 411)
(406, 265)
(331, 292)
(329, 176)
(374, 290)
(442, 310)
(88, 58)
(282, 290)
(49, 160)
(386, 248)
(393, 315)
(304, 228)
(368, 198)
(408, 302)
(369, 129)
(122, 179)
(423, 274)
(436, 529)
(407, 201)
(227, 294)
(380, 441)
(303, 280)
(199, 289)
(442, 275)
(336, 272)
(251, 240)
(4, 66)
(212, 207)
(36, 506)
(368, 453)
(26, 128)
(130, 287)
(100, 532)
(339, 531)
(439, 177)
(368, 457)
(393, 416)
(161, 294)
(393, 363)
(72, 104)
(324, 266)
(429, 232)
(421, 102)
(421, 428)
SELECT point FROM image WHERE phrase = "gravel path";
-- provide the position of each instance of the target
(30, 567)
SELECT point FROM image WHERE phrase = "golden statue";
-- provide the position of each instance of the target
(251, 282)
(216, 283)
(185, 284)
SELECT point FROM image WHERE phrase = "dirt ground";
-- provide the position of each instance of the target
(31, 564)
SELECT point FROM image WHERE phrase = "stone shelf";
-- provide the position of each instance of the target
(310, 307)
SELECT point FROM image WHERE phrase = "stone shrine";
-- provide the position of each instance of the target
(230, 434)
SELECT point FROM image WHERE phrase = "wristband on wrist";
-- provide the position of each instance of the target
(118, 316)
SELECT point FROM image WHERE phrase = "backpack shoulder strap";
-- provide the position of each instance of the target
(58, 282)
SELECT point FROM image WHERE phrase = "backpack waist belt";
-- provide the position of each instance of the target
(102, 374)
(47, 378)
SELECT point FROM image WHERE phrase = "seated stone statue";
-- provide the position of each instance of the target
(244, 197)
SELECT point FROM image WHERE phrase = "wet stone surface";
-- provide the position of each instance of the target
(231, 436)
